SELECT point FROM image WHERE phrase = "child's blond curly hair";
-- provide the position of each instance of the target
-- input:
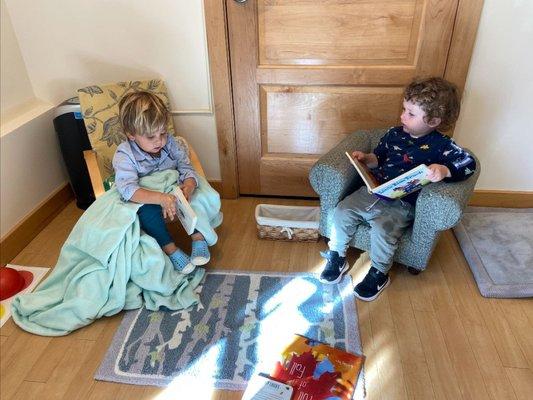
(143, 113)
(437, 97)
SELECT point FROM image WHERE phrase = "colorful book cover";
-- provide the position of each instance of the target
(396, 188)
(402, 185)
(317, 371)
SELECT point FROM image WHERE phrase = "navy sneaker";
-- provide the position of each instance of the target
(372, 285)
(335, 267)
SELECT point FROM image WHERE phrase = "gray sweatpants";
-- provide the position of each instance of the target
(387, 219)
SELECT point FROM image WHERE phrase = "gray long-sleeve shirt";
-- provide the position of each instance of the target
(131, 163)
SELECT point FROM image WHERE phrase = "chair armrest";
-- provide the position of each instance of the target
(195, 161)
(440, 205)
(332, 176)
(94, 172)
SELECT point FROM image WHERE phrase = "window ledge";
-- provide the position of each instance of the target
(23, 114)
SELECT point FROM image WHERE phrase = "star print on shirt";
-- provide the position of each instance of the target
(424, 147)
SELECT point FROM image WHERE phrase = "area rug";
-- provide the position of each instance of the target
(498, 246)
(243, 322)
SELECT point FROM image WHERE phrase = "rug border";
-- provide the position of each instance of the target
(353, 342)
(486, 286)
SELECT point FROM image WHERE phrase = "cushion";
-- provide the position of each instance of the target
(99, 106)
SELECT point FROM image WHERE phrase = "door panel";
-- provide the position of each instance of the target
(336, 32)
(313, 119)
(307, 73)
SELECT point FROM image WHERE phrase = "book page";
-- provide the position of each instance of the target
(406, 183)
(186, 214)
(369, 179)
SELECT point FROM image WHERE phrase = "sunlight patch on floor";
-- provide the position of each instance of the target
(283, 320)
(197, 381)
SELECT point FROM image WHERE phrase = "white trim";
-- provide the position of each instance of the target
(207, 66)
(204, 111)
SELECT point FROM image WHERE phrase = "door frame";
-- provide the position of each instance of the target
(459, 54)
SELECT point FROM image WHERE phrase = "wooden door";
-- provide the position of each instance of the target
(305, 73)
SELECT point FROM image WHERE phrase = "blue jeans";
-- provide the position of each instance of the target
(153, 223)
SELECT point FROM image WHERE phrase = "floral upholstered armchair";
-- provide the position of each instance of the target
(439, 205)
(99, 106)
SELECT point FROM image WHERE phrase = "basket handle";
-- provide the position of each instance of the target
(288, 231)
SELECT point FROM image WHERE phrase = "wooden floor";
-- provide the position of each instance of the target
(430, 336)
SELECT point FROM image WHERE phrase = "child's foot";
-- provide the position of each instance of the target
(181, 262)
(200, 252)
(335, 267)
(372, 285)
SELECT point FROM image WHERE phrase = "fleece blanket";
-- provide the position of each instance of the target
(108, 264)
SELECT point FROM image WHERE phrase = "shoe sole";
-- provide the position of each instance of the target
(376, 295)
(187, 270)
(200, 260)
(339, 278)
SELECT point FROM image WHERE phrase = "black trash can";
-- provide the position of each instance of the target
(73, 140)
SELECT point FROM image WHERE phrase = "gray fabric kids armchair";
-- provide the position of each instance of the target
(439, 205)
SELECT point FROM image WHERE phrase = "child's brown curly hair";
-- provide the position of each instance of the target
(437, 97)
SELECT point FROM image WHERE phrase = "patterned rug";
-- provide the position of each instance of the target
(244, 320)
(498, 246)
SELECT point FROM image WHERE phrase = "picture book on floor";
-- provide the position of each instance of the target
(316, 370)
(263, 387)
(186, 214)
(396, 188)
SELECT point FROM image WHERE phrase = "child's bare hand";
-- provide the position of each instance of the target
(359, 155)
(438, 172)
(187, 187)
(168, 204)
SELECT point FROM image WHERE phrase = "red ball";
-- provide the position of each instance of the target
(11, 282)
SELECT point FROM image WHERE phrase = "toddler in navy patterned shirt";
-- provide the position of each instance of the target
(429, 105)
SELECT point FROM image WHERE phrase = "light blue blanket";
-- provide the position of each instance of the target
(108, 264)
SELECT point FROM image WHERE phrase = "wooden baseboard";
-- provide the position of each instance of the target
(23, 233)
(501, 198)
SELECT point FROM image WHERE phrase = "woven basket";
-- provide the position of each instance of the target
(287, 234)
(288, 223)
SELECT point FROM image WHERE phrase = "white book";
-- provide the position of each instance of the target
(262, 387)
(396, 188)
(186, 214)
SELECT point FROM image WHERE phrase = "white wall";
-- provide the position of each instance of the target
(70, 44)
(496, 117)
(16, 89)
(31, 169)
(30, 163)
